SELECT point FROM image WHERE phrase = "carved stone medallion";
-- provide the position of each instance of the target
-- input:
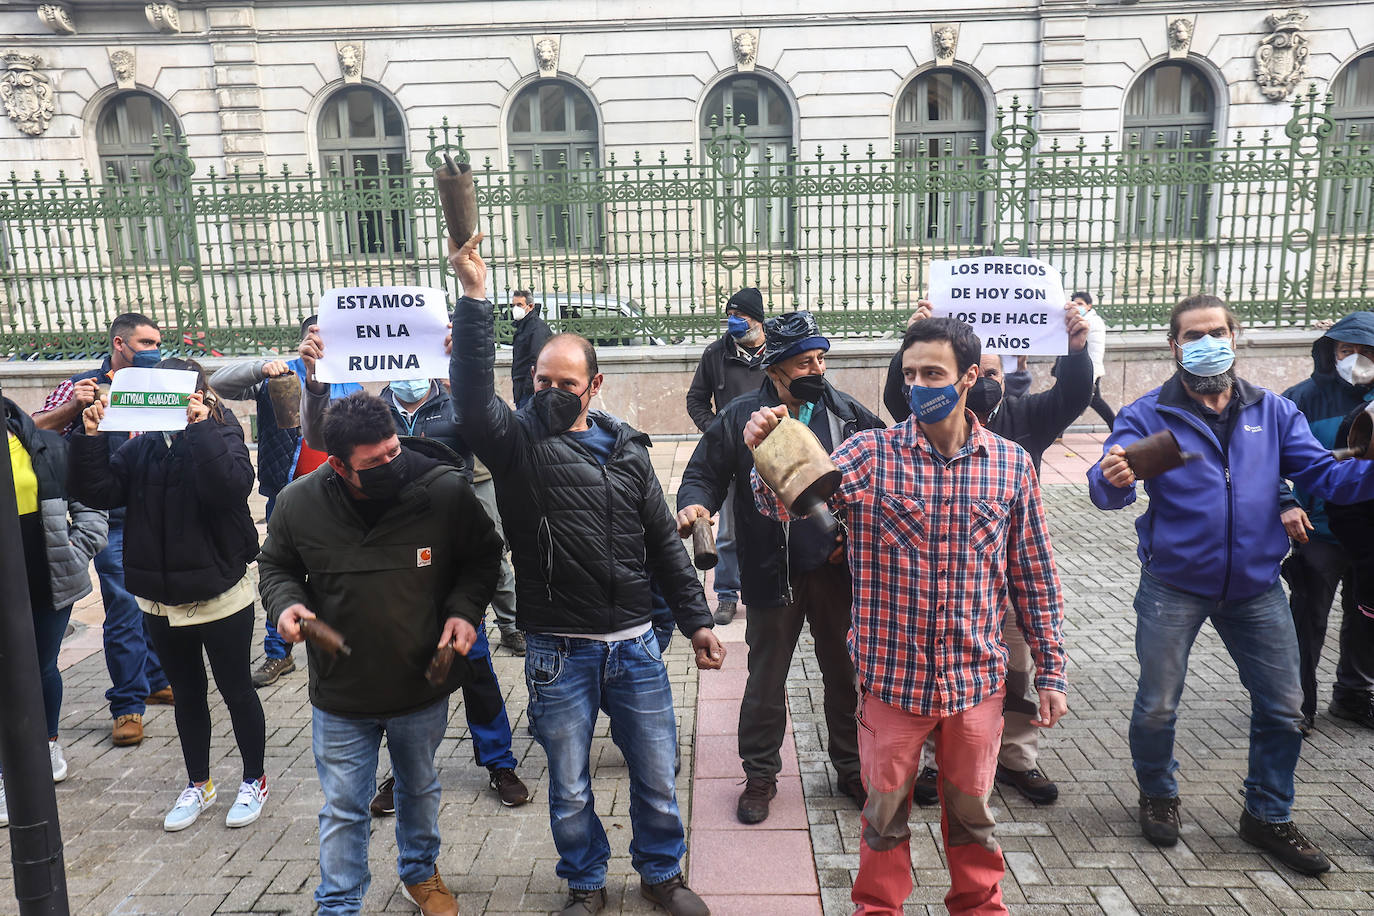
(546, 55)
(350, 60)
(122, 65)
(58, 17)
(944, 38)
(165, 17)
(26, 92)
(1180, 36)
(744, 44)
(1281, 59)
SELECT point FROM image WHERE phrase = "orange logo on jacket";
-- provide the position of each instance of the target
(422, 557)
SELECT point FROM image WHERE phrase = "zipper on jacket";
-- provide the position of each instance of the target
(1230, 527)
(610, 546)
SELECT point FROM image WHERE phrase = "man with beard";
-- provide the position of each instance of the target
(1210, 546)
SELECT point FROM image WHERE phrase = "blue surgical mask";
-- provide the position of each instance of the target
(736, 326)
(931, 405)
(1207, 356)
(146, 359)
(411, 390)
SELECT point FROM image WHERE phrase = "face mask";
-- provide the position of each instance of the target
(1356, 369)
(737, 327)
(808, 388)
(931, 405)
(411, 391)
(518, 313)
(146, 359)
(984, 397)
(557, 409)
(385, 480)
(1207, 356)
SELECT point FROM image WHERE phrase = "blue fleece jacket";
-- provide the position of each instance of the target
(1212, 527)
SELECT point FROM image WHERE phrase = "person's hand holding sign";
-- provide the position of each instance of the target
(1077, 326)
(197, 409)
(310, 350)
(92, 415)
(921, 314)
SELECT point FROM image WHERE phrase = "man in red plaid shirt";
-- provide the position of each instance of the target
(946, 534)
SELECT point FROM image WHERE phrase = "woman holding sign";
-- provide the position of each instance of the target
(188, 541)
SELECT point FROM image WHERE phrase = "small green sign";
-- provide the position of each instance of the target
(149, 399)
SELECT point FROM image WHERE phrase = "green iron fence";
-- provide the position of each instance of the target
(646, 250)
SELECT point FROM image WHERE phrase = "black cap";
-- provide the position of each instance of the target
(787, 335)
(748, 301)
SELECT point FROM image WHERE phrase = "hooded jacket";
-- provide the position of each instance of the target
(388, 588)
(1325, 399)
(584, 537)
(721, 456)
(531, 332)
(1212, 528)
(722, 375)
(69, 545)
(188, 534)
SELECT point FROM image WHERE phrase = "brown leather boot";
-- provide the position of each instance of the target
(128, 730)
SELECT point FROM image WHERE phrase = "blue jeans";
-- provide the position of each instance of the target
(129, 655)
(727, 562)
(346, 761)
(482, 700)
(49, 627)
(273, 646)
(569, 681)
(1259, 635)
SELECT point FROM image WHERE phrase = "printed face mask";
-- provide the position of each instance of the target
(411, 390)
(736, 326)
(1207, 356)
(558, 409)
(931, 405)
(808, 388)
(385, 480)
(1357, 369)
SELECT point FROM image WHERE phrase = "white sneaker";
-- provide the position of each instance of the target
(191, 801)
(59, 762)
(4, 808)
(248, 806)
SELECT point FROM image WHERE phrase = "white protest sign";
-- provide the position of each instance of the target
(147, 400)
(1016, 305)
(382, 334)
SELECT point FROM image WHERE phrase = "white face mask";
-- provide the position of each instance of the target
(1357, 369)
(518, 313)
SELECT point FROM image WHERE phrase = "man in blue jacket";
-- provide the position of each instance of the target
(1210, 546)
(1342, 380)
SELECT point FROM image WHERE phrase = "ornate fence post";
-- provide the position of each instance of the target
(1309, 132)
(171, 171)
(1012, 226)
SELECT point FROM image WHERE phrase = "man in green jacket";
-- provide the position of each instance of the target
(388, 545)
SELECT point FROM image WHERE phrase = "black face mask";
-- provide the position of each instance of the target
(807, 388)
(557, 409)
(385, 480)
(984, 397)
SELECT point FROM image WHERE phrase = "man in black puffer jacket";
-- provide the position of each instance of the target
(789, 574)
(587, 525)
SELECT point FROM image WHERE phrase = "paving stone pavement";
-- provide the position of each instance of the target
(1082, 855)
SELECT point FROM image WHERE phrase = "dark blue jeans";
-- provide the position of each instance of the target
(570, 681)
(485, 709)
(129, 656)
(48, 629)
(1259, 635)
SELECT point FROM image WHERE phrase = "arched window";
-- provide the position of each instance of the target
(362, 142)
(760, 106)
(1350, 201)
(128, 126)
(553, 140)
(1170, 117)
(941, 127)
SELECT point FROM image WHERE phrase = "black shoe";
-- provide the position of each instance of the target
(725, 612)
(1286, 842)
(513, 641)
(1354, 707)
(513, 792)
(753, 801)
(853, 786)
(1159, 820)
(1031, 783)
(583, 903)
(927, 788)
(384, 802)
(674, 896)
(1306, 726)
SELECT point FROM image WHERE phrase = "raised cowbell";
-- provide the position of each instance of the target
(1359, 442)
(284, 391)
(458, 196)
(796, 466)
(1155, 454)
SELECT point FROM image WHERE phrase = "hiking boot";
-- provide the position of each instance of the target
(190, 803)
(514, 641)
(247, 807)
(674, 896)
(583, 903)
(384, 802)
(725, 612)
(753, 801)
(1356, 707)
(163, 697)
(432, 896)
(927, 788)
(1159, 820)
(128, 730)
(272, 669)
(513, 792)
(1286, 842)
(853, 786)
(1031, 783)
(58, 761)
